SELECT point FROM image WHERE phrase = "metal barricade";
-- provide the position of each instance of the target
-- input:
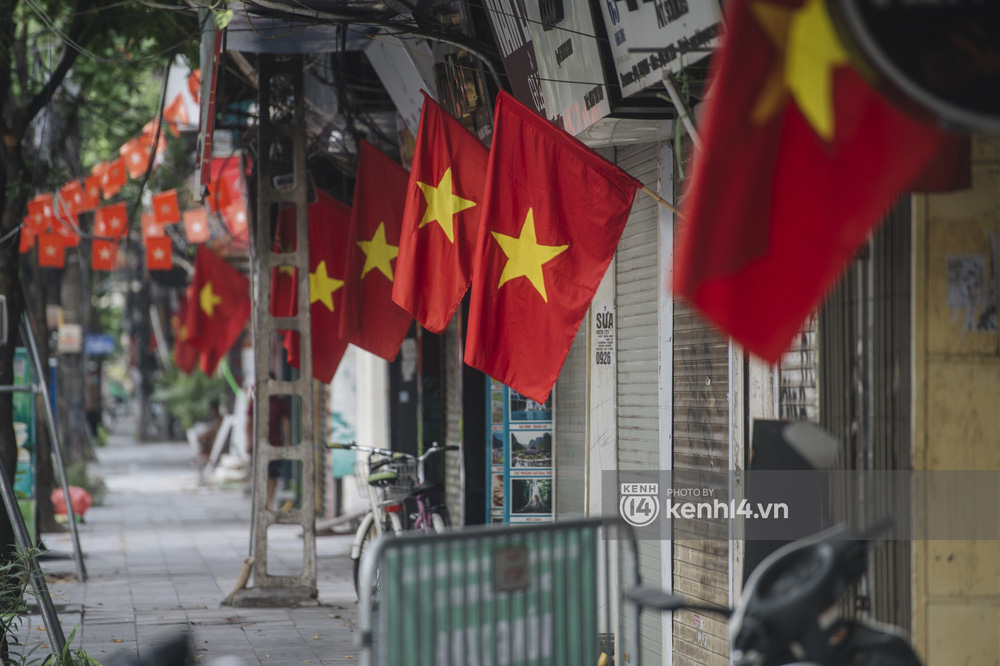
(500, 596)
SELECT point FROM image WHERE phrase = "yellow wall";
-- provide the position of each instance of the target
(957, 411)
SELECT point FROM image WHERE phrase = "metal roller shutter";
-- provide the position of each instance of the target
(637, 291)
(571, 429)
(701, 433)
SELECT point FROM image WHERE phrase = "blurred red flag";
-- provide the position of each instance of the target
(135, 156)
(221, 308)
(371, 320)
(801, 159)
(72, 196)
(175, 114)
(51, 252)
(111, 221)
(196, 226)
(159, 254)
(27, 240)
(151, 228)
(441, 219)
(103, 255)
(91, 194)
(165, 207)
(113, 178)
(40, 212)
(553, 214)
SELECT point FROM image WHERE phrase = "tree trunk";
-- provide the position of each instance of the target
(44, 479)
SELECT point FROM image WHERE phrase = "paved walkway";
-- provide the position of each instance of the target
(162, 553)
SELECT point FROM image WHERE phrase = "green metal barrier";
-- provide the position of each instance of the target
(498, 596)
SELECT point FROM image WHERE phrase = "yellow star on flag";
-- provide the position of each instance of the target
(208, 299)
(378, 253)
(525, 256)
(808, 52)
(443, 204)
(322, 286)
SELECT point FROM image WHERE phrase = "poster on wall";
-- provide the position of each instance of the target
(521, 454)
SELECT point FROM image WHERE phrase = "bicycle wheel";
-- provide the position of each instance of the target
(369, 538)
(440, 523)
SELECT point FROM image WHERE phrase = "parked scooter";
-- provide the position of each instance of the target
(789, 611)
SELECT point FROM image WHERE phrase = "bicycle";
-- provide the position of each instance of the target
(430, 518)
(387, 479)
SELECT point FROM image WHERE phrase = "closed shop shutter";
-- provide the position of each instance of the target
(798, 393)
(701, 415)
(571, 430)
(639, 282)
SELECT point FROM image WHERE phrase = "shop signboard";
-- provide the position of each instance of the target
(519, 467)
(569, 65)
(681, 30)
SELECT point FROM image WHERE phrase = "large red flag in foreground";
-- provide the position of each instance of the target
(553, 214)
(441, 220)
(371, 320)
(220, 308)
(801, 158)
(329, 227)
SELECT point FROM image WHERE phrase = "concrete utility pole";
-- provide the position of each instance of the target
(281, 181)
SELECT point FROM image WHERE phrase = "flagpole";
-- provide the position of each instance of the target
(660, 200)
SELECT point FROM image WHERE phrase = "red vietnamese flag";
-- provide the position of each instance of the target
(66, 231)
(176, 114)
(801, 159)
(71, 195)
(135, 156)
(40, 212)
(91, 194)
(51, 252)
(196, 226)
(235, 217)
(371, 320)
(151, 228)
(111, 221)
(27, 240)
(159, 254)
(103, 255)
(165, 207)
(185, 354)
(553, 213)
(329, 228)
(221, 308)
(113, 178)
(441, 220)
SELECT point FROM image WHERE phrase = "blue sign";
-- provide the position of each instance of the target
(99, 345)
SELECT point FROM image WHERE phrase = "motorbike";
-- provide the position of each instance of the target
(790, 612)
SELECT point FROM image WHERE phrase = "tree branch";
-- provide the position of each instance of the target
(80, 32)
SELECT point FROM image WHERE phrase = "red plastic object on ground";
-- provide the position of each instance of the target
(78, 497)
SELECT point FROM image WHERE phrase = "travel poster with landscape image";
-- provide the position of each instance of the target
(530, 473)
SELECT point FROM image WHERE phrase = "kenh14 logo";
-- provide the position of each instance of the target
(640, 503)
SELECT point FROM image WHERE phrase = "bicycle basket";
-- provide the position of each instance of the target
(400, 487)
(396, 489)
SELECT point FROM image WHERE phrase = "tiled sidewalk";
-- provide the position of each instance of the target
(162, 553)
